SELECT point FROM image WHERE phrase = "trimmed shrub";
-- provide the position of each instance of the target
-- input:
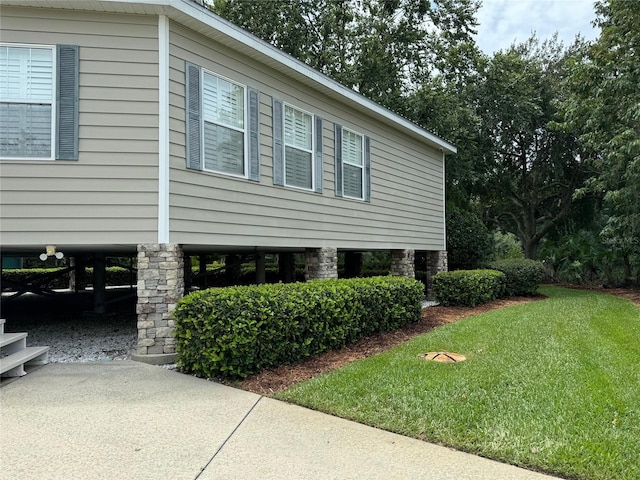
(115, 276)
(523, 276)
(468, 287)
(237, 331)
(20, 275)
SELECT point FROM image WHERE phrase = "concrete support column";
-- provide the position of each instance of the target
(160, 286)
(436, 263)
(352, 264)
(287, 267)
(321, 263)
(99, 283)
(403, 263)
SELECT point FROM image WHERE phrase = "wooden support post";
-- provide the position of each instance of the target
(352, 264)
(79, 273)
(72, 275)
(99, 283)
(233, 269)
(261, 274)
(287, 267)
(202, 270)
(188, 273)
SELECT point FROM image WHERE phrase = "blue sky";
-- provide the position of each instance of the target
(504, 21)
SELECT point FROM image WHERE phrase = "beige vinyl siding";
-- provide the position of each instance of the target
(406, 209)
(109, 196)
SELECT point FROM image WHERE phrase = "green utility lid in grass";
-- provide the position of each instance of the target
(443, 357)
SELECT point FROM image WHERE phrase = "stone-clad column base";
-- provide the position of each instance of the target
(436, 262)
(321, 263)
(403, 263)
(160, 286)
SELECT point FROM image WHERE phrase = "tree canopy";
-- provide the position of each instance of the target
(604, 108)
(530, 171)
(545, 133)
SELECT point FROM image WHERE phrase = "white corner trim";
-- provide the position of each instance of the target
(444, 200)
(163, 129)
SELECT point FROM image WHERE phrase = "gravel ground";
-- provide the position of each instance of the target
(66, 324)
(82, 340)
(70, 342)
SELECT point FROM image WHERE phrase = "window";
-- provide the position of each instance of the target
(218, 139)
(224, 134)
(353, 164)
(39, 102)
(27, 109)
(298, 148)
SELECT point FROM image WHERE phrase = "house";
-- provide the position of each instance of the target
(155, 128)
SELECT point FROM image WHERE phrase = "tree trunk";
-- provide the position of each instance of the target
(531, 248)
(627, 269)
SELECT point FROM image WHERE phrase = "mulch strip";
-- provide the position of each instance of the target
(280, 378)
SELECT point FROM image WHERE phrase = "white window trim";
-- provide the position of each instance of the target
(163, 127)
(311, 151)
(244, 130)
(54, 78)
(361, 166)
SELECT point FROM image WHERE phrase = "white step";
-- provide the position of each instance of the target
(9, 338)
(13, 365)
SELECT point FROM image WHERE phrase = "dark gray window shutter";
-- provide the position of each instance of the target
(338, 154)
(194, 117)
(367, 169)
(254, 135)
(318, 152)
(278, 144)
(67, 102)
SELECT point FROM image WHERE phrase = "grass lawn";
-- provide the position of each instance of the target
(552, 386)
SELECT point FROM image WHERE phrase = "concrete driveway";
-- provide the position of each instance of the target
(128, 420)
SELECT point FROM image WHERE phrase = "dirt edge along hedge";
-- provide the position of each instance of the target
(234, 332)
(468, 287)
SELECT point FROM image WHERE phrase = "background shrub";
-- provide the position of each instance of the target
(238, 331)
(523, 276)
(469, 243)
(505, 246)
(468, 287)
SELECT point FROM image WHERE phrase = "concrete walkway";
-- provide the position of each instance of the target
(127, 420)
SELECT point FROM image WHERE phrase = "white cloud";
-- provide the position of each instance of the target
(503, 22)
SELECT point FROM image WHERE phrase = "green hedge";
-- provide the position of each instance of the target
(115, 276)
(237, 331)
(468, 287)
(523, 275)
